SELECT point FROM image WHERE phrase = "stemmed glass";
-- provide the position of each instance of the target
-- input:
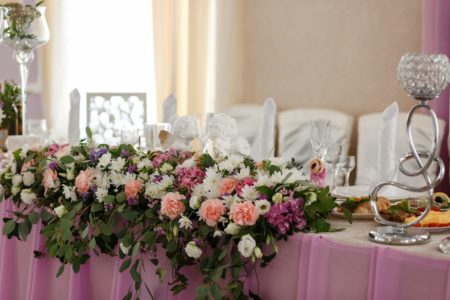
(347, 164)
(23, 28)
(202, 126)
(320, 137)
(334, 153)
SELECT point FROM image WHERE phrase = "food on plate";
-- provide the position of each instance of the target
(361, 205)
(441, 199)
(433, 219)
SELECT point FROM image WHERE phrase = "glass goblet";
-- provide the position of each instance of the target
(202, 129)
(320, 137)
(347, 164)
(334, 153)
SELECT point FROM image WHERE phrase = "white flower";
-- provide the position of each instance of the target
(185, 127)
(135, 159)
(184, 222)
(116, 179)
(70, 171)
(128, 177)
(69, 193)
(246, 245)
(102, 179)
(226, 165)
(263, 206)
(188, 163)
(27, 196)
(2, 115)
(232, 229)
(101, 193)
(192, 250)
(311, 198)
(104, 160)
(236, 160)
(194, 202)
(218, 233)
(277, 161)
(222, 126)
(264, 180)
(60, 211)
(243, 173)
(249, 193)
(258, 252)
(15, 190)
(165, 168)
(211, 184)
(28, 178)
(277, 198)
(124, 249)
(230, 200)
(17, 179)
(118, 164)
(145, 163)
(24, 151)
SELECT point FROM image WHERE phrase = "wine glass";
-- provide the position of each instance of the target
(334, 153)
(158, 133)
(347, 164)
(23, 28)
(320, 137)
(129, 136)
(202, 125)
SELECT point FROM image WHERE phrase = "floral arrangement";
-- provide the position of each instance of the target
(20, 16)
(9, 100)
(216, 213)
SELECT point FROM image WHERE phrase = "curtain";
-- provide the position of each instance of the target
(197, 53)
(436, 39)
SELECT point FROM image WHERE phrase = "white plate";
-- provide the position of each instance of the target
(356, 216)
(429, 229)
(363, 190)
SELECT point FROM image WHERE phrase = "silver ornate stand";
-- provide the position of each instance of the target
(423, 77)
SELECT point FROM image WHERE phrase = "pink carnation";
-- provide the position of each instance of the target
(211, 210)
(190, 177)
(84, 181)
(246, 181)
(132, 189)
(227, 186)
(49, 178)
(172, 206)
(54, 148)
(244, 213)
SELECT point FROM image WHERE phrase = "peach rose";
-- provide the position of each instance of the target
(133, 188)
(244, 213)
(49, 179)
(211, 210)
(172, 206)
(227, 186)
(316, 166)
(84, 181)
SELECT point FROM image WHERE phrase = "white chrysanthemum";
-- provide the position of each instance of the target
(263, 180)
(145, 163)
(236, 159)
(185, 127)
(192, 250)
(278, 177)
(194, 202)
(198, 190)
(232, 229)
(277, 161)
(102, 179)
(243, 173)
(246, 245)
(296, 175)
(60, 210)
(249, 193)
(166, 182)
(104, 160)
(188, 163)
(69, 193)
(27, 196)
(17, 179)
(28, 178)
(128, 177)
(118, 164)
(100, 194)
(263, 206)
(230, 200)
(226, 165)
(218, 233)
(165, 168)
(143, 176)
(185, 223)
(222, 126)
(116, 179)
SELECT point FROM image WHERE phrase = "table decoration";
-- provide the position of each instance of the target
(23, 28)
(9, 110)
(423, 77)
(214, 213)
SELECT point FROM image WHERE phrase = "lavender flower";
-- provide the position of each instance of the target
(132, 168)
(124, 153)
(287, 216)
(94, 155)
(53, 165)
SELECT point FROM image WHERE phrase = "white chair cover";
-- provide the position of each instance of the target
(264, 145)
(368, 132)
(74, 117)
(169, 108)
(295, 131)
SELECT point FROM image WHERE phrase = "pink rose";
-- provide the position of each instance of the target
(244, 213)
(27, 165)
(49, 179)
(84, 181)
(227, 186)
(211, 210)
(63, 151)
(133, 188)
(172, 206)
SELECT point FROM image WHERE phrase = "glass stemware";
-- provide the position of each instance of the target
(23, 28)
(320, 137)
(334, 153)
(130, 136)
(202, 126)
(347, 164)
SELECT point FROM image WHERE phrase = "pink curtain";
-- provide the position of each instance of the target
(436, 39)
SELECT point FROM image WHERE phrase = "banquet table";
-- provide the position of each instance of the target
(336, 265)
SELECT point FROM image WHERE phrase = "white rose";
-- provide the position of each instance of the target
(166, 168)
(258, 252)
(246, 245)
(194, 202)
(17, 179)
(15, 190)
(28, 178)
(135, 160)
(232, 229)
(124, 249)
(192, 250)
(263, 206)
(312, 197)
(60, 211)
(277, 198)
(27, 196)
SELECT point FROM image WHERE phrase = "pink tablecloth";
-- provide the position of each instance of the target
(309, 266)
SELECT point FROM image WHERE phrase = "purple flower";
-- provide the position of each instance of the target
(287, 216)
(53, 165)
(132, 168)
(157, 179)
(132, 201)
(190, 177)
(124, 153)
(94, 155)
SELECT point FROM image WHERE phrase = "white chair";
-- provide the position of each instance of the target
(169, 108)
(74, 118)
(294, 127)
(368, 133)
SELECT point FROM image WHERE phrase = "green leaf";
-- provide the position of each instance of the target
(149, 237)
(322, 226)
(135, 249)
(161, 272)
(109, 199)
(206, 161)
(89, 133)
(106, 229)
(120, 197)
(265, 190)
(215, 290)
(274, 169)
(65, 223)
(202, 292)
(68, 253)
(348, 215)
(60, 271)
(96, 207)
(67, 159)
(92, 243)
(85, 232)
(78, 207)
(172, 246)
(76, 266)
(9, 227)
(176, 289)
(125, 265)
(67, 234)
(33, 217)
(45, 216)
(24, 229)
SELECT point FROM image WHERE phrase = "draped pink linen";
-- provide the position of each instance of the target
(436, 39)
(309, 266)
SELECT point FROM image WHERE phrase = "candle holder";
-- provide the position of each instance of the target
(423, 77)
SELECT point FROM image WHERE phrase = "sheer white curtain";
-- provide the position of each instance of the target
(97, 46)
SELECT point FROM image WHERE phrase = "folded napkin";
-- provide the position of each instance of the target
(74, 117)
(265, 145)
(387, 161)
(169, 108)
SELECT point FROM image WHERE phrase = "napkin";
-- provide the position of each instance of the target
(265, 145)
(74, 117)
(387, 162)
(169, 108)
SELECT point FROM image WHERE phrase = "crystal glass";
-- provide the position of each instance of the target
(347, 164)
(202, 126)
(423, 76)
(320, 137)
(130, 136)
(23, 28)
(334, 153)
(157, 130)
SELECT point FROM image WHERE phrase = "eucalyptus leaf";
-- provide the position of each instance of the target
(9, 227)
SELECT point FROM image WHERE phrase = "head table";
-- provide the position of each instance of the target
(337, 265)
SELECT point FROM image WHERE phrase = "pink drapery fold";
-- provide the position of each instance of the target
(436, 39)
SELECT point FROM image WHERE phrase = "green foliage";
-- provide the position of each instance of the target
(10, 99)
